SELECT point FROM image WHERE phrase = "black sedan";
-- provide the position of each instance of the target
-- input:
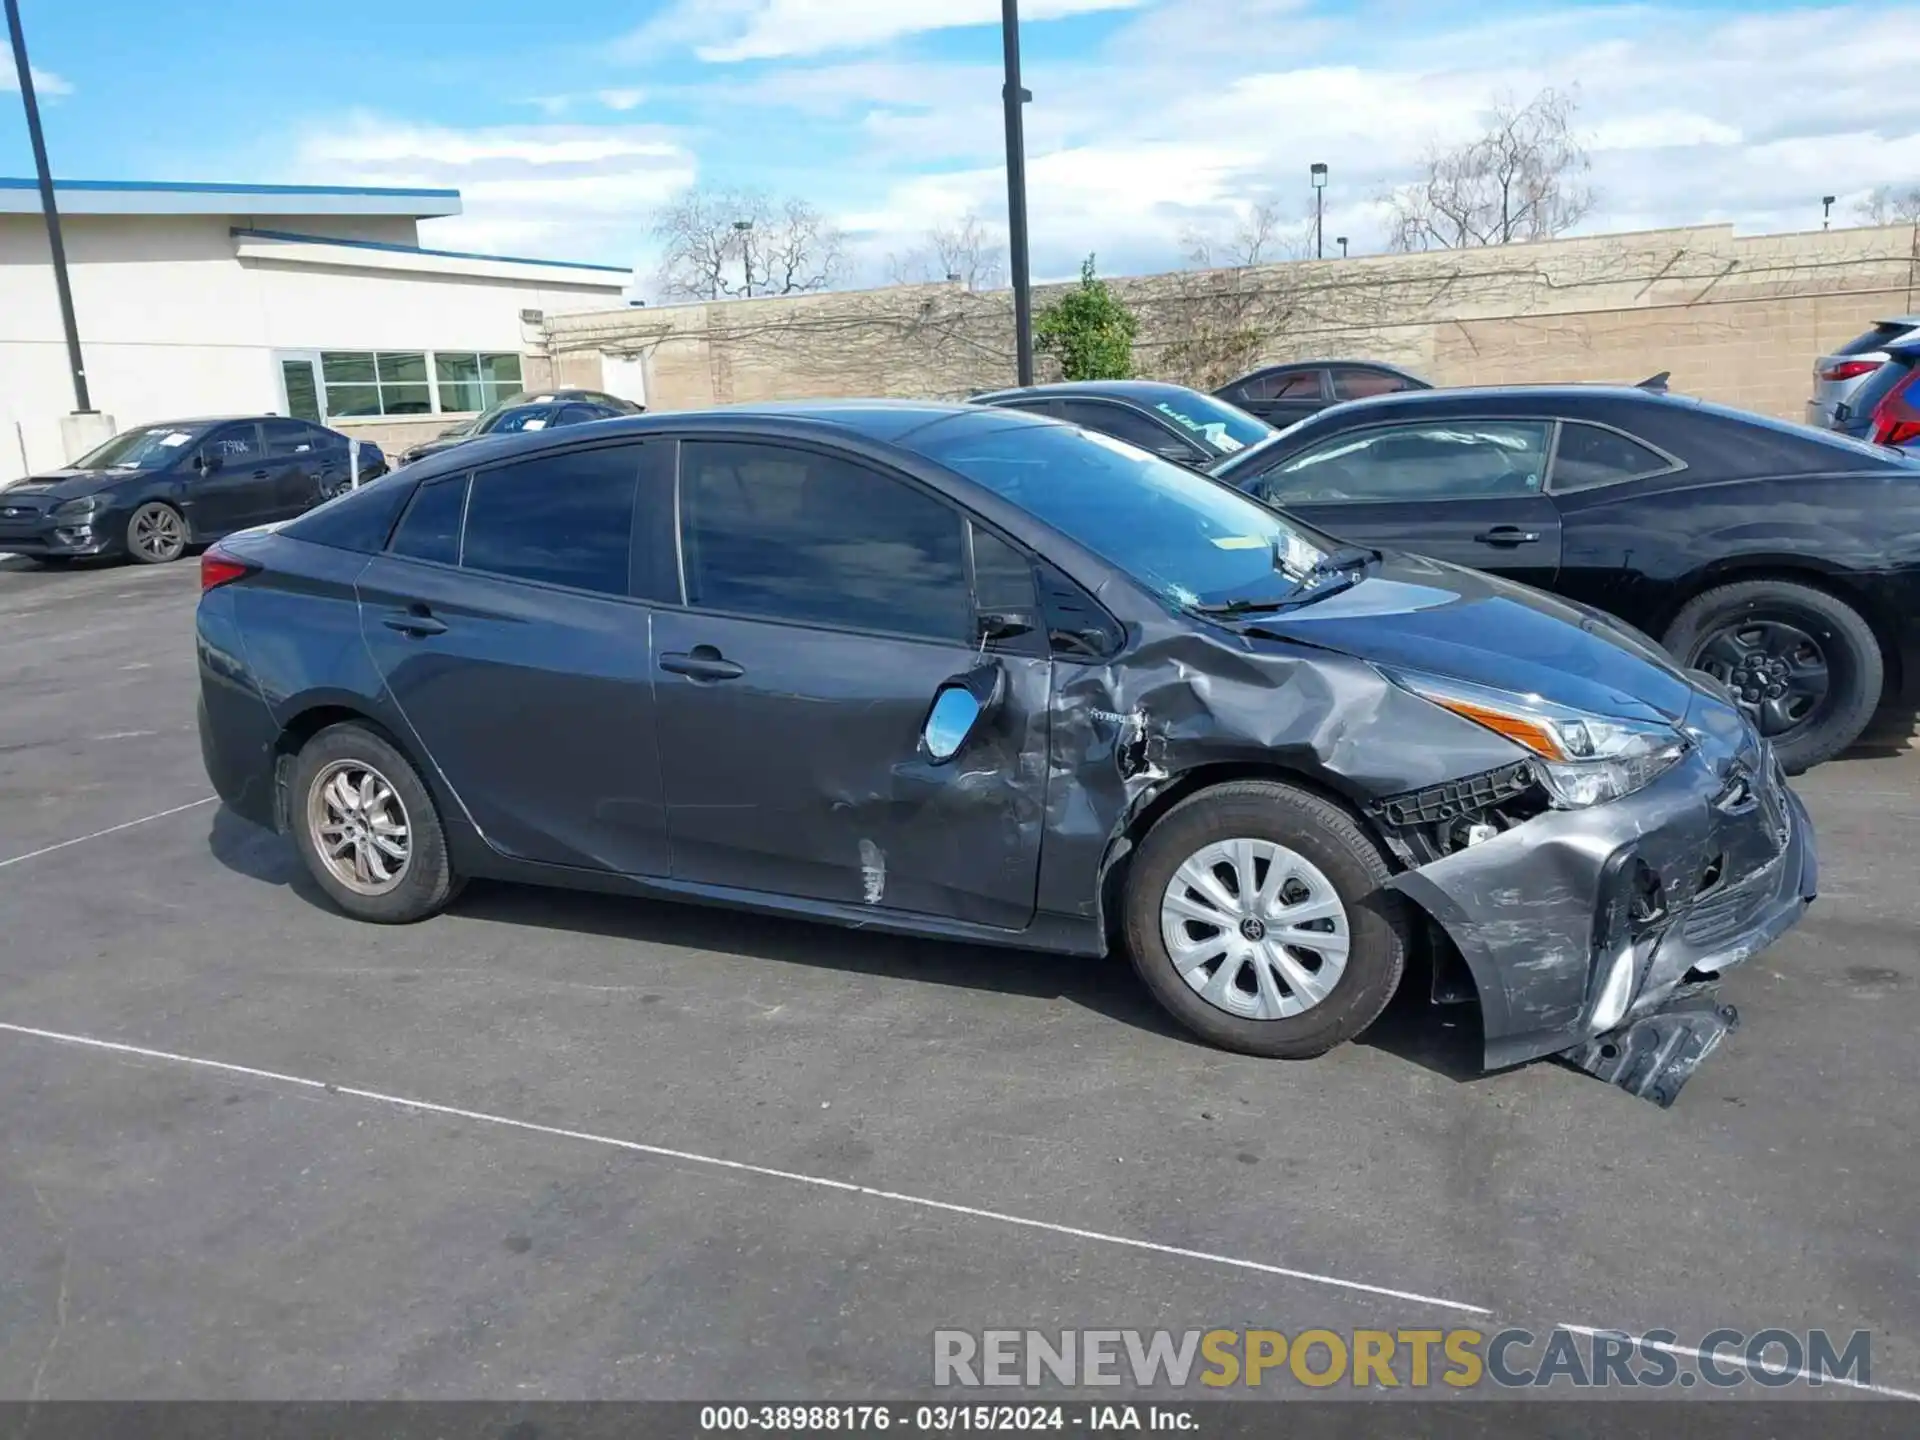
(1783, 560)
(542, 410)
(961, 672)
(152, 492)
(1170, 421)
(1283, 394)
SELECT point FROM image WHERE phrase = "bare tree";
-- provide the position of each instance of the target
(1218, 314)
(1524, 179)
(1890, 205)
(1259, 237)
(968, 252)
(718, 244)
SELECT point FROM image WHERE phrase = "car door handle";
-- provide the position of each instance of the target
(416, 621)
(703, 663)
(1507, 535)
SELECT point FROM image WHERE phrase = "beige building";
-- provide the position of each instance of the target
(302, 300)
(1734, 318)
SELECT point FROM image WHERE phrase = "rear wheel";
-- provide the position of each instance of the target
(1257, 913)
(1801, 662)
(367, 828)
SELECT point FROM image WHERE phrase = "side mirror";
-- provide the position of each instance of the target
(958, 709)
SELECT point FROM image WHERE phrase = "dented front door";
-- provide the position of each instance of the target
(793, 765)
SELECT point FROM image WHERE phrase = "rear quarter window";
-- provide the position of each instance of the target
(358, 520)
(1884, 333)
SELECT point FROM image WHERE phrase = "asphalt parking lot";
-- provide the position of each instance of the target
(554, 1145)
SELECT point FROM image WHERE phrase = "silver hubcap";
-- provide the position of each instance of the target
(157, 532)
(1256, 929)
(359, 827)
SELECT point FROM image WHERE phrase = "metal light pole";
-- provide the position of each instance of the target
(1317, 172)
(1826, 209)
(82, 403)
(745, 231)
(1014, 97)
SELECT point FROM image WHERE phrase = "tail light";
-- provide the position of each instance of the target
(1848, 370)
(1896, 419)
(218, 568)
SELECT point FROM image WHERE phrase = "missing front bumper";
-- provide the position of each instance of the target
(1656, 1054)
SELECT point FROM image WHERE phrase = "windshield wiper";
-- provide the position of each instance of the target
(1337, 562)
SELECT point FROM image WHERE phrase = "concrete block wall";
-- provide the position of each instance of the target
(1735, 319)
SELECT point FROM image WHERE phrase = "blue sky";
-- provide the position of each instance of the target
(566, 126)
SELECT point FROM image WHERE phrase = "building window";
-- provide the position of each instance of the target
(475, 381)
(360, 382)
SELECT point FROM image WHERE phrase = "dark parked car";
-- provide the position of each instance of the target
(1170, 421)
(1282, 394)
(154, 491)
(529, 410)
(957, 671)
(1837, 378)
(1782, 559)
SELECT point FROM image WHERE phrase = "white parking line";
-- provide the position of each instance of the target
(740, 1166)
(1728, 1358)
(110, 830)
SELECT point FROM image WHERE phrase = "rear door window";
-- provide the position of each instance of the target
(564, 519)
(1354, 383)
(288, 437)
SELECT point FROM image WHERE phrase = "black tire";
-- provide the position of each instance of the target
(148, 546)
(1325, 835)
(1855, 668)
(426, 883)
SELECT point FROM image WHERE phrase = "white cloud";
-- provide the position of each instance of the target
(731, 30)
(1200, 105)
(622, 100)
(45, 82)
(569, 192)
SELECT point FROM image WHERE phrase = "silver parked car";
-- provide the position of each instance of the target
(1837, 376)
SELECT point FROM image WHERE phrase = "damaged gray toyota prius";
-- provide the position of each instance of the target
(970, 673)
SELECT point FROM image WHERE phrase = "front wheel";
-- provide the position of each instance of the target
(367, 828)
(156, 534)
(1801, 662)
(1258, 914)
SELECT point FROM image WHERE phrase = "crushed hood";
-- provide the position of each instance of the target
(1425, 615)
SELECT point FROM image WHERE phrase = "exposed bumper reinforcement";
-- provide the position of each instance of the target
(1655, 1055)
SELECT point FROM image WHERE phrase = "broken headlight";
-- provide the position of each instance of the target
(1582, 759)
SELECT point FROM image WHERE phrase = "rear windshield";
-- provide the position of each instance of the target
(1763, 443)
(1224, 429)
(1884, 333)
(1189, 539)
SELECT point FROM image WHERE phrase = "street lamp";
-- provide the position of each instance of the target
(82, 403)
(1826, 209)
(1317, 172)
(744, 229)
(1013, 97)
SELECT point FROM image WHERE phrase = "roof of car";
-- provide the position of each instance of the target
(882, 420)
(1474, 395)
(1324, 364)
(1119, 389)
